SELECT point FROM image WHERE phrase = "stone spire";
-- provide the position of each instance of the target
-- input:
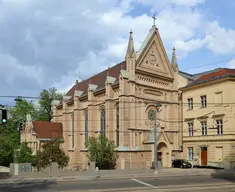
(130, 49)
(174, 61)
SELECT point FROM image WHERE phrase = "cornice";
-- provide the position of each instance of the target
(161, 77)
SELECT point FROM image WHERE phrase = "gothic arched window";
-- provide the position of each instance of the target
(117, 125)
(86, 126)
(72, 116)
(102, 121)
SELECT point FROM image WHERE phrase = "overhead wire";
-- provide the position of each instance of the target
(140, 130)
(144, 119)
(211, 104)
(116, 100)
(213, 63)
(196, 66)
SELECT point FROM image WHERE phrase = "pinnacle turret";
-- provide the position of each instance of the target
(130, 49)
(174, 61)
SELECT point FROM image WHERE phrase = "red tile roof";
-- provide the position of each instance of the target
(213, 75)
(98, 79)
(48, 130)
(217, 74)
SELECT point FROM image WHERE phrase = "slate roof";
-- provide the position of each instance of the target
(48, 130)
(98, 79)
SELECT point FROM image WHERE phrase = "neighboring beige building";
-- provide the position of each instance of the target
(120, 103)
(209, 118)
(36, 133)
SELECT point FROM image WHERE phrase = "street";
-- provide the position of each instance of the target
(190, 183)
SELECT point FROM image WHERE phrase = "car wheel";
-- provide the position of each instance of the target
(173, 165)
(181, 166)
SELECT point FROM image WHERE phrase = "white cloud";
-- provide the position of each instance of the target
(189, 3)
(49, 43)
(231, 64)
(13, 69)
(158, 5)
(221, 40)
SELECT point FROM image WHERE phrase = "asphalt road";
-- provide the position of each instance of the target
(151, 183)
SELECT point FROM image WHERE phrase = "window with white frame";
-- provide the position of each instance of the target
(219, 125)
(190, 103)
(190, 129)
(204, 128)
(203, 101)
(190, 153)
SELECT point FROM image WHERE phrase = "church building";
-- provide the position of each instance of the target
(120, 103)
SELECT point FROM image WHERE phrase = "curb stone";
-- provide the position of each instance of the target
(114, 177)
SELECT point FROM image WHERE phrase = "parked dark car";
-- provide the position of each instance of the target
(181, 163)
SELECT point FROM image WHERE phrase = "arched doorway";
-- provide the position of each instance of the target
(163, 154)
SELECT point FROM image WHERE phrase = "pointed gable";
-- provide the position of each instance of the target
(152, 57)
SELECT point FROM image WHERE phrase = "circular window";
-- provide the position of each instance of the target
(151, 115)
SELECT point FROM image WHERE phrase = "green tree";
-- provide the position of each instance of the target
(25, 154)
(9, 134)
(51, 153)
(21, 109)
(102, 151)
(9, 141)
(6, 151)
(39, 161)
(46, 97)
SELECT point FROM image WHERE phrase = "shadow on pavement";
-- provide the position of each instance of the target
(226, 174)
(29, 186)
(5, 175)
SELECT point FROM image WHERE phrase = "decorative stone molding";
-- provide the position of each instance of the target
(124, 74)
(116, 90)
(66, 98)
(151, 80)
(55, 102)
(101, 95)
(123, 148)
(110, 79)
(78, 93)
(150, 136)
(92, 87)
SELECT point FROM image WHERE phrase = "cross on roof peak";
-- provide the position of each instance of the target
(154, 19)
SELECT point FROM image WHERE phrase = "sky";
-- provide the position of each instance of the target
(53, 43)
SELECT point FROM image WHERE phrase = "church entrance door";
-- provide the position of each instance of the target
(162, 155)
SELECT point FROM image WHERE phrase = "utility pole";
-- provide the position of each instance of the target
(50, 165)
(156, 141)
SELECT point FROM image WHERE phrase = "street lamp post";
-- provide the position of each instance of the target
(156, 141)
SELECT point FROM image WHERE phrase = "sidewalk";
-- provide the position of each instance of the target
(172, 188)
(120, 175)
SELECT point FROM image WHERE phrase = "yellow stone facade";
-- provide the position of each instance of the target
(212, 119)
(196, 118)
(37, 133)
(122, 108)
